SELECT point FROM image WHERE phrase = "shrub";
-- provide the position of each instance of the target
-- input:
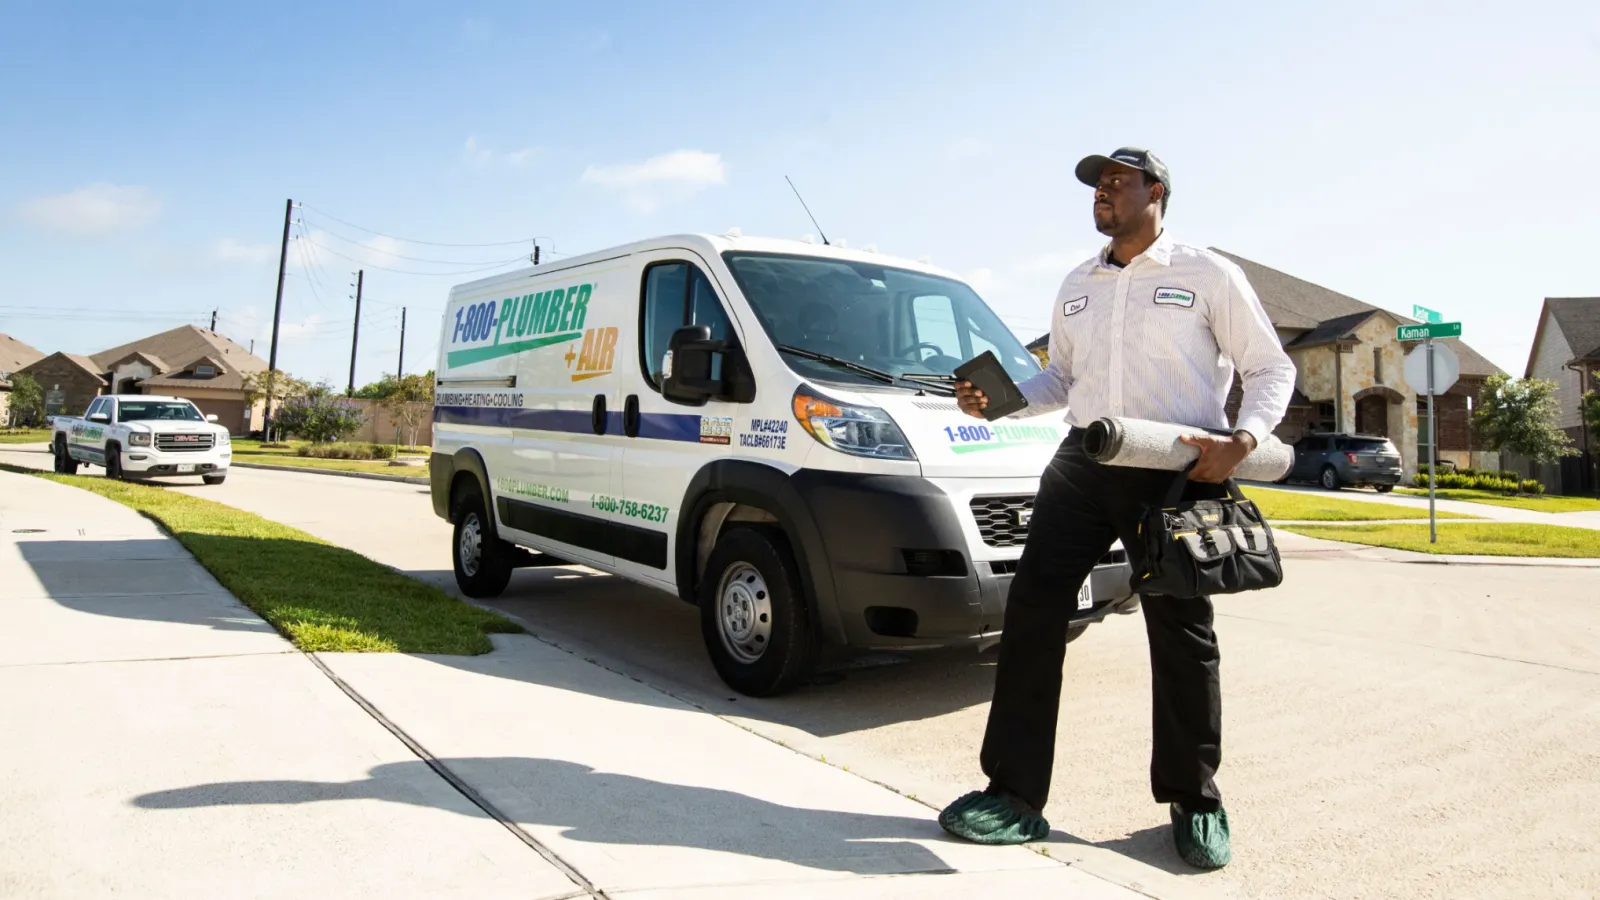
(346, 451)
(320, 418)
(1532, 487)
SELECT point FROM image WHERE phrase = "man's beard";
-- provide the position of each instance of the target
(1109, 226)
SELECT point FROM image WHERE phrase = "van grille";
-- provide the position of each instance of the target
(1001, 520)
(181, 443)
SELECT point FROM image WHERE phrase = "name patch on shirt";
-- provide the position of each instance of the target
(1074, 306)
(1175, 297)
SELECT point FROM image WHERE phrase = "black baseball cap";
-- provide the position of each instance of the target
(1089, 167)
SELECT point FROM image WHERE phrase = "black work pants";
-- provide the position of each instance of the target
(1081, 508)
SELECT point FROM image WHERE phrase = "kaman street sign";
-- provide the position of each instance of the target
(1423, 332)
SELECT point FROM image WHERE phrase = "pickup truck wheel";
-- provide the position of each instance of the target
(114, 462)
(483, 562)
(753, 613)
(65, 464)
(213, 479)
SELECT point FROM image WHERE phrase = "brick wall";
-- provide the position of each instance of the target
(78, 388)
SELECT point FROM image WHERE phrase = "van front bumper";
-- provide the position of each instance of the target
(899, 557)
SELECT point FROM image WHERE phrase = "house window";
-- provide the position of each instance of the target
(1377, 365)
(205, 371)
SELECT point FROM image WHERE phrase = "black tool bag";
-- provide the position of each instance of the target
(1198, 548)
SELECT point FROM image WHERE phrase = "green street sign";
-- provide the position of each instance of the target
(1422, 332)
(1426, 314)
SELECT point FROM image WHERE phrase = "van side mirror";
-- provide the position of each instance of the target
(686, 372)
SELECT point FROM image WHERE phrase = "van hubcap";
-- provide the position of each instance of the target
(744, 612)
(470, 547)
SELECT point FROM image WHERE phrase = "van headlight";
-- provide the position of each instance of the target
(857, 430)
(138, 439)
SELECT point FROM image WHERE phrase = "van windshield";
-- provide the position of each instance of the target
(896, 321)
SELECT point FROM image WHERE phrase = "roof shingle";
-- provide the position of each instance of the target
(15, 355)
(1579, 321)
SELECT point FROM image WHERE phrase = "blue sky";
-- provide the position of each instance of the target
(1399, 152)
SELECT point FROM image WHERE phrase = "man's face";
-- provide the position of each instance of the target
(1120, 199)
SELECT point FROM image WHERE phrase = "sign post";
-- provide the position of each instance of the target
(1432, 372)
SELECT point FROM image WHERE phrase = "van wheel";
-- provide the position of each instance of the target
(65, 464)
(753, 613)
(482, 559)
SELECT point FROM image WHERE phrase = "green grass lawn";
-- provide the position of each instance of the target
(1288, 506)
(249, 445)
(321, 597)
(1489, 539)
(289, 460)
(1541, 503)
(25, 436)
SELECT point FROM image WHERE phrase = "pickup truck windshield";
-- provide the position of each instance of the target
(897, 321)
(136, 411)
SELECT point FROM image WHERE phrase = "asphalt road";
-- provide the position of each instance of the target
(1390, 729)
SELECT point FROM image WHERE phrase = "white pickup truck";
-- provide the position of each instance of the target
(143, 436)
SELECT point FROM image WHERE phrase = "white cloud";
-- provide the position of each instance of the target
(660, 179)
(983, 280)
(476, 154)
(93, 210)
(230, 250)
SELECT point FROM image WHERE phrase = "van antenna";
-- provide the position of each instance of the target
(807, 208)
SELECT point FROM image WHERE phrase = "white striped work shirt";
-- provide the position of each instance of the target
(1160, 339)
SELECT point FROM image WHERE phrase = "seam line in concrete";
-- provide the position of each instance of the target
(588, 888)
(145, 659)
(373, 476)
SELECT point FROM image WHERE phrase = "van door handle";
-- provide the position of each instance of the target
(597, 414)
(630, 416)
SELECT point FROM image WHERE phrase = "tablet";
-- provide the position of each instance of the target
(986, 374)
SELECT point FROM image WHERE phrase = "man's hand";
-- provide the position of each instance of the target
(1219, 456)
(970, 399)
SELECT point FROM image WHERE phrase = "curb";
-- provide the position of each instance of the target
(402, 479)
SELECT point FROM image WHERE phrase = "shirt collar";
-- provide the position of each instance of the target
(1160, 251)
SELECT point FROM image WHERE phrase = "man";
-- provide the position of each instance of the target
(1148, 329)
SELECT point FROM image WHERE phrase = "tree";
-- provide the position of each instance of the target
(320, 416)
(381, 389)
(1520, 416)
(1591, 413)
(27, 401)
(411, 403)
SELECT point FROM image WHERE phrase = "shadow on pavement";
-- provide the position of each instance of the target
(606, 808)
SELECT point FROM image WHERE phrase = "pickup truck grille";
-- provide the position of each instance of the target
(1002, 521)
(180, 443)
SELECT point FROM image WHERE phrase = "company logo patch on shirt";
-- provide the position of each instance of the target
(1175, 297)
(1074, 306)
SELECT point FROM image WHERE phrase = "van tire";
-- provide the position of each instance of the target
(754, 617)
(486, 573)
(65, 464)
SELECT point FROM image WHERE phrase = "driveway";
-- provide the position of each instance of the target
(1391, 730)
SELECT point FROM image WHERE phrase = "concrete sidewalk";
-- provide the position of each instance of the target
(166, 741)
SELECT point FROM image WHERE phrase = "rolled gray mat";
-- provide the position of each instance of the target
(1141, 443)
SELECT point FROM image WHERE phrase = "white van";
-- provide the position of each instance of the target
(763, 427)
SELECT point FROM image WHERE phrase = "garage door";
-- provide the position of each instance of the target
(229, 413)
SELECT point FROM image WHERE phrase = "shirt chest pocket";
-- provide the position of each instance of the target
(1172, 324)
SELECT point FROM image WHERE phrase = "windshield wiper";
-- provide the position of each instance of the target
(945, 383)
(868, 371)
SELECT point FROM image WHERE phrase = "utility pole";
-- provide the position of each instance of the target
(356, 333)
(400, 369)
(213, 321)
(277, 314)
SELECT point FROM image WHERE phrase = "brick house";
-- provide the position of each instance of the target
(69, 382)
(1566, 350)
(187, 361)
(14, 356)
(1350, 371)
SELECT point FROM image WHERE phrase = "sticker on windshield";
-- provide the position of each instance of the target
(973, 438)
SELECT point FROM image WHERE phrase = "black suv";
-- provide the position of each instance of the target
(1338, 460)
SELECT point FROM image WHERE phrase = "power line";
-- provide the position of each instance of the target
(364, 263)
(411, 240)
(363, 245)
